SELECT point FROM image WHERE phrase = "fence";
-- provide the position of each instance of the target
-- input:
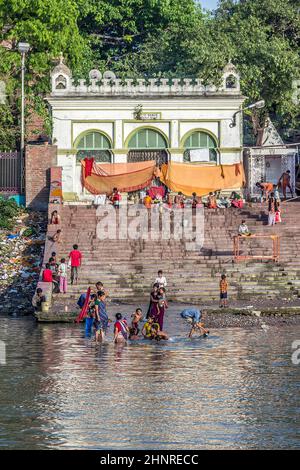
(10, 172)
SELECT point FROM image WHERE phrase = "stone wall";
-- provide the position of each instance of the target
(38, 161)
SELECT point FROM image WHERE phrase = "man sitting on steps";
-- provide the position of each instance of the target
(243, 229)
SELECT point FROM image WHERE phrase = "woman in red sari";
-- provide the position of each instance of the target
(153, 310)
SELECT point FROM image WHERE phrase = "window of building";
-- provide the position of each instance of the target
(200, 140)
(147, 139)
(94, 144)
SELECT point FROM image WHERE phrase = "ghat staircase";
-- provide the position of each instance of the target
(128, 268)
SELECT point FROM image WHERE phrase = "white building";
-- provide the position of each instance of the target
(129, 121)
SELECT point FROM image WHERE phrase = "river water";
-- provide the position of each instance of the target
(235, 389)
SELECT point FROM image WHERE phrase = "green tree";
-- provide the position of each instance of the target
(264, 39)
(50, 26)
(117, 30)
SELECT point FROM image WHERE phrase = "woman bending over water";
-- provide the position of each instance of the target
(121, 329)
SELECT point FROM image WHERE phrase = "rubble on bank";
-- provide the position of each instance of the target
(22, 239)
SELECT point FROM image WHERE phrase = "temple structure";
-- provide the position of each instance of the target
(119, 121)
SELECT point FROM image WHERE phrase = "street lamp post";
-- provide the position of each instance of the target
(258, 105)
(23, 48)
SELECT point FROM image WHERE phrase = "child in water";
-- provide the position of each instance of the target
(152, 330)
(134, 328)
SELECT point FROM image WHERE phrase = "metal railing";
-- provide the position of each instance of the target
(10, 172)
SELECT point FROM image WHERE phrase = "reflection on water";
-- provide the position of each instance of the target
(234, 389)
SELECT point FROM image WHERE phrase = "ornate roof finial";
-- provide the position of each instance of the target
(61, 66)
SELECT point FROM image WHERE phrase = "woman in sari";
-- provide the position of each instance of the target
(121, 329)
(162, 306)
(236, 200)
(153, 310)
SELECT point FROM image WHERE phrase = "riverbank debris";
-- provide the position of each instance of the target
(22, 241)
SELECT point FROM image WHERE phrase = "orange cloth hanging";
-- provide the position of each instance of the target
(201, 179)
(124, 176)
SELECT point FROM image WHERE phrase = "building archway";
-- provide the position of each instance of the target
(203, 141)
(147, 143)
(94, 143)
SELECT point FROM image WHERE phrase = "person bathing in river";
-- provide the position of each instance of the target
(199, 329)
(134, 328)
(99, 286)
(157, 334)
(151, 330)
(195, 316)
(162, 305)
(152, 309)
(101, 316)
(121, 329)
(90, 316)
(158, 305)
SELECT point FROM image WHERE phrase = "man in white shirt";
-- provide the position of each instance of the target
(161, 280)
(243, 229)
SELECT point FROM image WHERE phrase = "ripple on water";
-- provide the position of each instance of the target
(234, 389)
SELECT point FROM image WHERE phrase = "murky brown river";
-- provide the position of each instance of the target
(235, 389)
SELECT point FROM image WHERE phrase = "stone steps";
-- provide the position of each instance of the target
(127, 268)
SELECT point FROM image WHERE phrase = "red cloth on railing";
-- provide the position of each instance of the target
(89, 163)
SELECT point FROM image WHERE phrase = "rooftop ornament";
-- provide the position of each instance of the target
(107, 84)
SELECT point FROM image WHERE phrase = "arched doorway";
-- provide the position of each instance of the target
(94, 144)
(202, 141)
(147, 144)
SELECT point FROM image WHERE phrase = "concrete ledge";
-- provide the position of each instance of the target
(69, 317)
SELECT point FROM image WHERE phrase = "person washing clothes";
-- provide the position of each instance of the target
(194, 316)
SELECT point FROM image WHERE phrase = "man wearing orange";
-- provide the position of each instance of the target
(266, 188)
(147, 201)
(286, 183)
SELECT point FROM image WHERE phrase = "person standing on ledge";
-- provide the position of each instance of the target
(223, 291)
(272, 209)
(286, 183)
(75, 258)
(115, 198)
(38, 299)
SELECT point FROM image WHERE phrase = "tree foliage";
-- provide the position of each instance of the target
(152, 38)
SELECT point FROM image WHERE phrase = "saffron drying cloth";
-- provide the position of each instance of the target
(83, 311)
(124, 176)
(201, 179)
